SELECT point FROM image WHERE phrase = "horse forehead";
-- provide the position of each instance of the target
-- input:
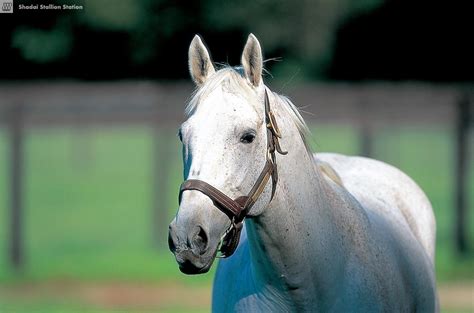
(225, 106)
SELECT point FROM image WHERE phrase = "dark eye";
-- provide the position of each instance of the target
(247, 137)
(180, 135)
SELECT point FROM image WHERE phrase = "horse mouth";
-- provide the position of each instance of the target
(193, 270)
(190, 264)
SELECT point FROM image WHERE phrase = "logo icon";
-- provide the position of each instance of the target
(6, 6)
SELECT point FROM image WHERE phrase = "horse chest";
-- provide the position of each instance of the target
(238, 288)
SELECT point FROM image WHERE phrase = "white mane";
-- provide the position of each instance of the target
(233, 77)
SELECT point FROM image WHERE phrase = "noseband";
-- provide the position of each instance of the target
(237, 209)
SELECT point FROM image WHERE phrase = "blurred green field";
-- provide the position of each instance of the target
(88, 206)
(88, 210)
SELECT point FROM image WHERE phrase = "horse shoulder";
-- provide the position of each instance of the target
(388, 191)
(399, 251)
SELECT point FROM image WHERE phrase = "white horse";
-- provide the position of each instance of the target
(340, 233)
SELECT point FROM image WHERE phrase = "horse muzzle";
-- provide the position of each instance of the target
(192, 251)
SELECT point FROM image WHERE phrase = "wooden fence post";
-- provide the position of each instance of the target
(365, 130)
(461, 174)
(16, 185)
(366, 140)
(161, 160)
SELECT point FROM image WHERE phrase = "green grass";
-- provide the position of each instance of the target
(88, 206)
(68, 308)
(89, 211)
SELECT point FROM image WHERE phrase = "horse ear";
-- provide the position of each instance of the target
(252, 60)
(199, 61)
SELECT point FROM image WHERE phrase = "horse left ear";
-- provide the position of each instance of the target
(252, 60)
(200, 64)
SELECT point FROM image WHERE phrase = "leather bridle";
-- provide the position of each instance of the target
(237, 209)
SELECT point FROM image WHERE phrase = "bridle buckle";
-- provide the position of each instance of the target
(229, 240)
(272, 125)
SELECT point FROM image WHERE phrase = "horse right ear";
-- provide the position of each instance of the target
(252, 60)
(200, 64)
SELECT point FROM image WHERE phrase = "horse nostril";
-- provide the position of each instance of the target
(200, 240)
(171, 244)
(171, 239)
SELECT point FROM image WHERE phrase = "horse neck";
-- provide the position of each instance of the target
(294, 230)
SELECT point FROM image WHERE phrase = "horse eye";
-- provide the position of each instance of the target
(247, 138)
(180, 136)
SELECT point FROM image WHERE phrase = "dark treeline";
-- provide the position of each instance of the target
(340, 40)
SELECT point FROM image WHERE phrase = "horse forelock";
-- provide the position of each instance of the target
(232, 79)
(229, 77)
